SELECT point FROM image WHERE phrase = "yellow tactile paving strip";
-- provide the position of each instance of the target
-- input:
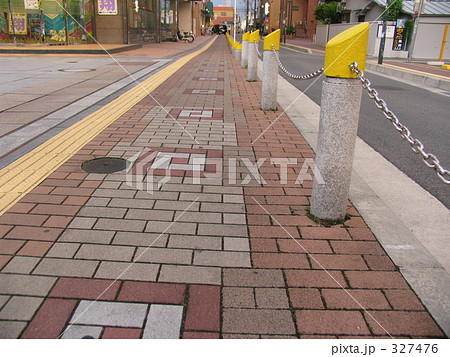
(20, 177)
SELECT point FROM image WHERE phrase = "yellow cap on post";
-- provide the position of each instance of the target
(344, 49)
(238, 46)
(272, 39)
(254, 37)
(245, 36)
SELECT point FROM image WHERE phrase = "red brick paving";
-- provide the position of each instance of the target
(318, 307)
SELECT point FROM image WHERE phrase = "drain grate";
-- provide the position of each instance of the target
(104, 165)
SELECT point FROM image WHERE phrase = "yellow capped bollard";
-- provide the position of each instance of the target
(254, 37)
(237, 51)
(272, 39)
(253, 40)
(270, 72)
(339, 116)
(244, 54)
(347, 47)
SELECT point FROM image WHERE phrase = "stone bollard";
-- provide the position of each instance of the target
(244, 54)
(339, 115)
(270, 72)
(252, 72)
(238, 51)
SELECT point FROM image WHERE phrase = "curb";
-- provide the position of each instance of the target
(421, 78)
(297, 48)
(66, 51)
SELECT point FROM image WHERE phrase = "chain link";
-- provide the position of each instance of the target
(295, 76)
(416, 146)
(257, 49)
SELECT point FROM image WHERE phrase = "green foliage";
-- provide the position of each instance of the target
(289, 30)
(328, 13)
(395, 8)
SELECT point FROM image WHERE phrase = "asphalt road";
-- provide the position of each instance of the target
(425, 112)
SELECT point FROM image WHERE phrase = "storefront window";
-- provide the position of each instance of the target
(142, 20)
(169, 19)
(45, 21)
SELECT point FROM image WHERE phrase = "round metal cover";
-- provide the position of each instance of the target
(104, 165)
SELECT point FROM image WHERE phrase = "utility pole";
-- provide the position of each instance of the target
(246, 17)
(281, 20)
(383, 34)
(419, 6)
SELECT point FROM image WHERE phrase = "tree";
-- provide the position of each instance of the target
(395, 8)
(328, 13)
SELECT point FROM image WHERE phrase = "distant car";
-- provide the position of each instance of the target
(219, 29)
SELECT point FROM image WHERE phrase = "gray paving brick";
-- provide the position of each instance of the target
(105, 252)
(82, 222)
(103, 212)
(163, 322)
(271, 322)
(222, 259)
(190, 274)
(86, 236)
(234, 218)
(150, 214)
(233, 198)
(62, 250)
(233, 230)
(194, 242)
(177, 205)
(110, 314)
(238, 244)
(157, 195)
(141, 239)
(238, 297)
(181, 188)
(199, 217)
(253, 277)
(66, 267)
(11, 329)
(98, 201)
(31, 285)
(20, 308)
(80, 331)
(109, 193)
(127, 271)
(21, 265)
(3, 300)
(171, 227)
(127, 225)
(164, 255)
(222, 207)
(200, 197)
(132, 203)
(269, 298)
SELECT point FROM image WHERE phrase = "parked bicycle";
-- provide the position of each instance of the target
(147, 36)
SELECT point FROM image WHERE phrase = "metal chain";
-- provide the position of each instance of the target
(416, 146)
(257, 49)
(295, 76)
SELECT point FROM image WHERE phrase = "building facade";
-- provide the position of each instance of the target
(297, 14)
(104, 21)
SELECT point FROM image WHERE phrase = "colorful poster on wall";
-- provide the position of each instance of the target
(31, 4)
(107, 7)
(399, 36)
(20, 24)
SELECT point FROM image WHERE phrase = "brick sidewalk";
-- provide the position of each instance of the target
(218, 254)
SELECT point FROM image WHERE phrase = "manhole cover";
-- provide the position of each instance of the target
(104, 165)
(77, 70)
